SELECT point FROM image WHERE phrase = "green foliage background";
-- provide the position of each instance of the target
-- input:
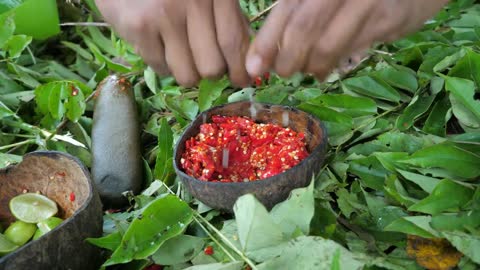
(404, 158)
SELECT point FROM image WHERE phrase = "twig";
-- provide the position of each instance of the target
(262, 13)
(94, 24)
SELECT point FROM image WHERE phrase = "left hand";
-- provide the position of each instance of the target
(313, 36)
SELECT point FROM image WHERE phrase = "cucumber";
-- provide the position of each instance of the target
(117, 161)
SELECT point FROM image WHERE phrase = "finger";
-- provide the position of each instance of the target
(332, 44)
(177, 51)
(107, 8)
(298, 37)
(150, 48)
(263, 50)
(233, 38)
(203, 40)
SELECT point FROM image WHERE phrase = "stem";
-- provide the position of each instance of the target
(94, 24)
(214, 239)
(219, 233)
(17, 144)
(34, 60)
(21, 125)
(227, 241)
(262, 13)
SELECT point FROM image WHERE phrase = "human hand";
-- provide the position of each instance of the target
(313, 36)
(189, 39)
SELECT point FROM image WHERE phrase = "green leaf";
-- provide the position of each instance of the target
(100, 57)
(449, 61)
(101, 41)
(188, 108)
(447, 195)
(256, 229)
(75, 105)
(463, 91)
(432, 57)
(209, 91)
(296, 212)
(274, 94)
(414, 225)
(456, 221)
(307, 94)
(449, 157)
(390, 160)
(164, 218)
(5, 111)
(437, 120)
(56, 100)
(348, 202)
(372, 87)
(177, 250)
(417, 107)
(350, 105)
(339, 126)
(217, 266)
(468, 67)
(79, 50)
(150, 79)
(370, 170)
(425, 182)
(8, 159)
(400, 78)
(16, 44)
(468, 244)
(7, 27)
(308, 252)
(324, 221)
(395, 189)
(242, 95)
(110, 242)
(164, 162)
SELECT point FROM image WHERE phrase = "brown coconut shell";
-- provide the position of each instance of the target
(55, 175)
(269, 191)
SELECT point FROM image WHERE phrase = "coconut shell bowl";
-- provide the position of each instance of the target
(271, 190)
(63, 179)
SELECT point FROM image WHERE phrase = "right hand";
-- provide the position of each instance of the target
(189, 39)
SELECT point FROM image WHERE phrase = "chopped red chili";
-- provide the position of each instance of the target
(255, 151)
(208, 250)
(72, 196)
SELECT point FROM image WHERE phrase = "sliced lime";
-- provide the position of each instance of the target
(32, 207)
(46, 226)
(20, 232)
(6, 246)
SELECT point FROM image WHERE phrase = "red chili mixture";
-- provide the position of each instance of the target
(255, 151)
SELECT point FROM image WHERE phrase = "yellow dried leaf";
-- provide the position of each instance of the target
(434, 253)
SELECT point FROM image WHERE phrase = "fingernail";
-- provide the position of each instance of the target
(254, 65)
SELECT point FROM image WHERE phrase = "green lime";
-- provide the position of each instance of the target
(32, 207)
(46, 226)
(6, 246)
(38, 234)
(20, 232)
